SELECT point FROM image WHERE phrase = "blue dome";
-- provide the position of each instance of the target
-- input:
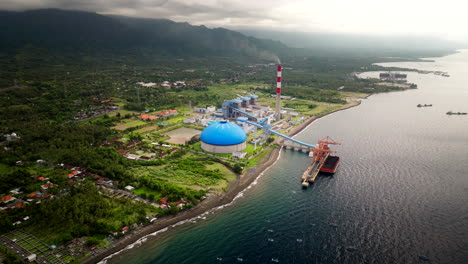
(223, 133)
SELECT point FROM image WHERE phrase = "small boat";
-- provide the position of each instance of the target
(240, 259)
(274, 260)
(271, 239)
(422, 257)
(299, 240)
(218, 258)
(351, 249)
(455, 113)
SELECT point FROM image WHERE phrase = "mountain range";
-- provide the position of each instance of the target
(87, 33)
(77, 31)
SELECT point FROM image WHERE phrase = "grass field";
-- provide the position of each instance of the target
(123, 112)
(127, 123)
(177, 119)
(189, 178)
(149, 128)
(259, 158)
(147, 192)
(228, 174)
(179, 177)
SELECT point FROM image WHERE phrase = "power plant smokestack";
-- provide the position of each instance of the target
(278, 92)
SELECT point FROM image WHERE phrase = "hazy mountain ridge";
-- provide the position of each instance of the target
(383, 45)
(61, 30)
(79, 33)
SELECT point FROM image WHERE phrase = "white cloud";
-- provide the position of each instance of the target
(438, 18)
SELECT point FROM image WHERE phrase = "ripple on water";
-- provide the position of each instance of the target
(400, 192)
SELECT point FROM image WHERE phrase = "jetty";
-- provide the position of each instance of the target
(320, 156)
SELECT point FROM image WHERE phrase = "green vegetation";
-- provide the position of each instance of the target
(80, 212)
(195, 173)
(9, 257)
(79, 111)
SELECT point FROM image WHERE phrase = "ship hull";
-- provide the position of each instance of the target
(331, 165)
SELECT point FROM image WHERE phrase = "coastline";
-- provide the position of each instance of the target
(214, 201)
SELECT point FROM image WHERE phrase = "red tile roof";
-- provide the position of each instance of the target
(6, 198)
(163, 200)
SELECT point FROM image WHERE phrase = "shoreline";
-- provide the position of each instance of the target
(214, 201)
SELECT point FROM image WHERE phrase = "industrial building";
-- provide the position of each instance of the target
(230, 107)
(393, 76)
(223, 137)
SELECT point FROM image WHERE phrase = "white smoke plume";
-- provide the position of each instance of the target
(265, 55)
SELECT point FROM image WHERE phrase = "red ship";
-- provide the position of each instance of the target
(331, 164)
(321, 161)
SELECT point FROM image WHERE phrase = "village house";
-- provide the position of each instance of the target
(47, 186)
(15, 191)
(166, 84)
(129, 188)
(7, 199)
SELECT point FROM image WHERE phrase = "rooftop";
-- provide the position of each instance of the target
(223, 133)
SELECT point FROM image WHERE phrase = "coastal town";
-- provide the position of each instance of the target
(161, 141)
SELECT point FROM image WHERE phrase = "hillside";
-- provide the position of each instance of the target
(74, 32)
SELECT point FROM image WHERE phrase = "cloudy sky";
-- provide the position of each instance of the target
(446, 19)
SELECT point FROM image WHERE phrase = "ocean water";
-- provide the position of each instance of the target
(401, 190)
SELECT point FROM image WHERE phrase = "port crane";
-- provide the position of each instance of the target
(321, 161)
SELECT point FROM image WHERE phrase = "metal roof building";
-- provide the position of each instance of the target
(223, 137)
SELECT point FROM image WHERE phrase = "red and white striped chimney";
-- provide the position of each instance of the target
(278, 92)
(278, 79)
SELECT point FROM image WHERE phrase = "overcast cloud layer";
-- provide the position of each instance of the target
(446, 19)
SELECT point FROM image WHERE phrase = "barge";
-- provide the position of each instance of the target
(321, 161)
(331, 164)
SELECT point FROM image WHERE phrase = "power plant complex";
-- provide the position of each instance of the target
(223, 136)
(229, 137)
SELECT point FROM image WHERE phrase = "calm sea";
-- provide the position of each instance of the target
(401, 190)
